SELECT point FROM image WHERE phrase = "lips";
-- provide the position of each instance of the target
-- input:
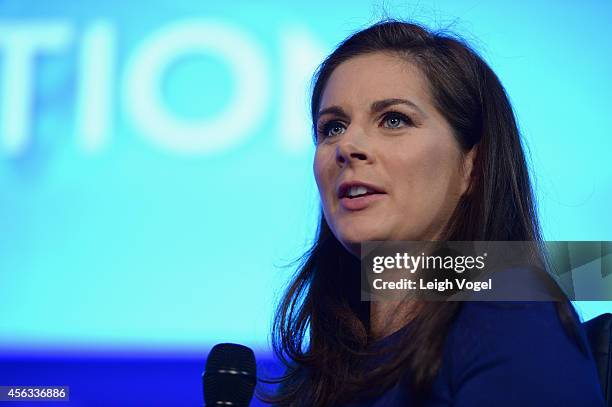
(372, 194)
(344, 188)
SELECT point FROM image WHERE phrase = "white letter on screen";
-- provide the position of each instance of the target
(96, 83)
(145, 70)
(19, 43)
(301, 55)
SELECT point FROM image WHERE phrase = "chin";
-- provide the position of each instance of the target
(351, 239)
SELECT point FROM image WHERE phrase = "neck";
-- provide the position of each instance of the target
(387, 317)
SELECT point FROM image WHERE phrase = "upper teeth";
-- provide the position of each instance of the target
(357, 190)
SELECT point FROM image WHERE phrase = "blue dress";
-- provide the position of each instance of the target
(502, 355)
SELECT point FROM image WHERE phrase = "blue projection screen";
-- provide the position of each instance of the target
(156, 158)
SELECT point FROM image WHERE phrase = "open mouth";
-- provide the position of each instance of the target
(353, 191)
(357, 196)
(361, 192)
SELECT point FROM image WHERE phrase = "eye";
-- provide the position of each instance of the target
(395, 120)
(330, 129)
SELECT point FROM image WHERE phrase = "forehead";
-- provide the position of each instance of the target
(360, 80)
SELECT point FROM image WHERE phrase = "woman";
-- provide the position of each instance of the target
(416, 140)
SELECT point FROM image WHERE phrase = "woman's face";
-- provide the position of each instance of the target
(387, 165)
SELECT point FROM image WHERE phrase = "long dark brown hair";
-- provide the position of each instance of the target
(321, 327)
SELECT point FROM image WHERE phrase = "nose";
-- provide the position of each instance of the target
(350, 151)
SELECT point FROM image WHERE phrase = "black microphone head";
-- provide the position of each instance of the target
(230, 375)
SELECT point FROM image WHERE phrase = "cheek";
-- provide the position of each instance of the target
(323, 179)
(322, 172)
(426, 174)
(318, 173)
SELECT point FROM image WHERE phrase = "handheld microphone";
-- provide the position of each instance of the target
(230, 376)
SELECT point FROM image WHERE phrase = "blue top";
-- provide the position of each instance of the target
(502, 355)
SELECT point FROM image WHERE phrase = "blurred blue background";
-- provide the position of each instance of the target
(155, 165)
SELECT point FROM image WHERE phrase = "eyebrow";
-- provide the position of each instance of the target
(375, 107)
(381, 105)
(335, 110)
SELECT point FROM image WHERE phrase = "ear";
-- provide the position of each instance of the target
(467, 167)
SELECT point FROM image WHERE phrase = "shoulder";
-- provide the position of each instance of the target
(513, 353)
(495, 316)
(506, 325)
